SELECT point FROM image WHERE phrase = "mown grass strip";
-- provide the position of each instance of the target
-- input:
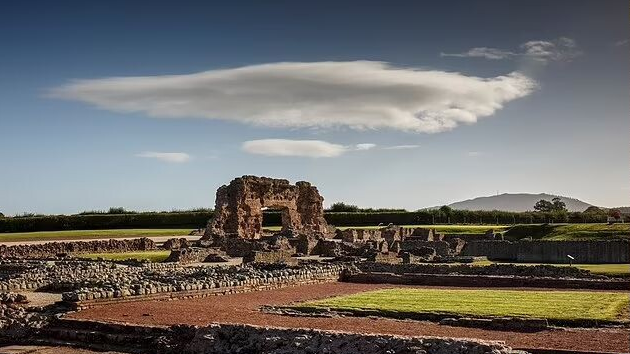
(552, 305)
(152, 256)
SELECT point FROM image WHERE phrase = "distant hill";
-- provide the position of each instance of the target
(515, 202)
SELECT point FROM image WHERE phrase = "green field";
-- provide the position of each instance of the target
(552, 305)
(89, 234)
(547, 232)
(152, 256)
(565, 232)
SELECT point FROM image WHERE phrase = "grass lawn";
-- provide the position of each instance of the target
(565, 232)
(552, 305)
(588, 232)
(89, 234)
(153, 256)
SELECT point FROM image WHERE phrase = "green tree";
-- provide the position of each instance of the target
(343, 207)
(544, 206)
(558, 204)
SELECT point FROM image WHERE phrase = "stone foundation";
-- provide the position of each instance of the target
(54, 249)
(614, 251)
(270, 257)
(195, 255)
(227, 339)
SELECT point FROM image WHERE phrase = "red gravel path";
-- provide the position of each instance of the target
(243, 309)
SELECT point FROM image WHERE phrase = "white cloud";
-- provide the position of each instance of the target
(401, 147)
(175, 157)
(358, 95)
(309, 148)
(473, 153)
(482, 52)
(286, 147)
(365, 146)
(559, 49)
(621, 43)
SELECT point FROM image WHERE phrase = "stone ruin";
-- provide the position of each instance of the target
(239, 207)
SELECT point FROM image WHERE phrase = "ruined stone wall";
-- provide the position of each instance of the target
(238, 207)
(171, 281)
(252, 339)
(52, 249)
(616, 251)
(442, 248)
(235, 338)
(493, 269)
(195, 255)
(270, 257)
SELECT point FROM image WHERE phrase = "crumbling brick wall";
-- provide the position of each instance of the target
(238, 207)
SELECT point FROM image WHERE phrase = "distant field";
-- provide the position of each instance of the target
(153, 256)
(564, 232)
(537, 231)
(89, 234)
(553, 305)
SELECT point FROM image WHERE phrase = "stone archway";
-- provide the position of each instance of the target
(238, 207)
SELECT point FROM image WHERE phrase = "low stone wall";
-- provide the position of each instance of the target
(227, 339)
(53, 249)
(486, 281)
(195, 255)
(442, 248)
(493, 269)
(251, 339)
(270, 257)
(204, 283)
(614, 251)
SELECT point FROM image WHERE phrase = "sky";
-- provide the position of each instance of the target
(152, 105)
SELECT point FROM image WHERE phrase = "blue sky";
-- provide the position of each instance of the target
(410, 105)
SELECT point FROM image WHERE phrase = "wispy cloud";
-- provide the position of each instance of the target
(559, 49)
(357, 95)
(365, 146)
(482, 52)
(401, 147)
(296, 148)
(174, 157)
(621, 43)
(310, 148)
(473, 153)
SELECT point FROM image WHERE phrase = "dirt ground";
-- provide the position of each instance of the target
(34, 349)
(243, 309)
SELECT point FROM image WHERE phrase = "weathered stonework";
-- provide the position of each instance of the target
(238, 207)
(53, 249)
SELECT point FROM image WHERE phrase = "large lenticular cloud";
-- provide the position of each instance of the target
(358, 95)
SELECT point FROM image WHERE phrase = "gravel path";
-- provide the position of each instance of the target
(243, 309)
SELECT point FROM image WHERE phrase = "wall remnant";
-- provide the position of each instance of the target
(613, 251)
(238, 208)
(54, 249)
